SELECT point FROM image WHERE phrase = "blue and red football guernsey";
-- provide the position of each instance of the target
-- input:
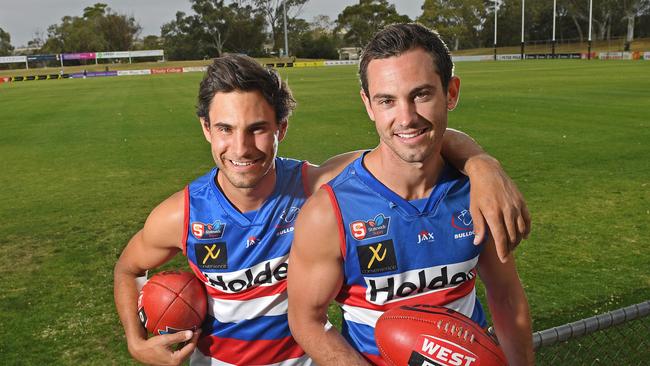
(397, 254)
(242, 259)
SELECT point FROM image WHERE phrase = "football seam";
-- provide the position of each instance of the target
(162, 314)
(187, 303)
(406, 317)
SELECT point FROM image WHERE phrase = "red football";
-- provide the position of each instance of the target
(434, 335)
(172, 301)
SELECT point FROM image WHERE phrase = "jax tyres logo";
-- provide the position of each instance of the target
(372, 228)
(434, 351)
(208, 231)
(211, 256)
(377, 257)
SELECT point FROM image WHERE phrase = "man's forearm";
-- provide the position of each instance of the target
(458, 148)
(512, 323)
(126, 298)
(325, 345)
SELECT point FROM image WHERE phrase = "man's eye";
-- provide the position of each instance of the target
(385, 102)
(422, 96)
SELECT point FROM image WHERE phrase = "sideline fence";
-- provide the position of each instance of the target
(619, 337)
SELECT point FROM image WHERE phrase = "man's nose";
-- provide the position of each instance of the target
(241, 143)
(406, 113)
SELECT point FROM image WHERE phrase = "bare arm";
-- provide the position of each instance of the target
(155, 244)
(495, 199)
(316, 259)
(508, 306)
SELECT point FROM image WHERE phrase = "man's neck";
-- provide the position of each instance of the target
(408, 180)
(248, 199)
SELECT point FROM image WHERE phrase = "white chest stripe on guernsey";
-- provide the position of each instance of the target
(199, 359)
(465, 305)
(360, 315)
(227, 311)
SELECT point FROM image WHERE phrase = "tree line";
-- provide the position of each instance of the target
(256, 27)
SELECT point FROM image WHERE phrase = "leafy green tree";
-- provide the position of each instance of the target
(232, 27)
(274, 14)
(5, 43)
(457, 21)
(99, 29)
(216, 28)
(357, 23)
(313, 40)
(180, 38)
(151, 42)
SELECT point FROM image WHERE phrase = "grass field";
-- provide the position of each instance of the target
(84, 161)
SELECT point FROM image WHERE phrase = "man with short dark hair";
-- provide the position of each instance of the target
(244, 209)
(393, 228)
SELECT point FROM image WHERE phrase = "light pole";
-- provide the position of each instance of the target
(553, 41)
(495, 30)
(589, 47)
(523, 6)
(286, 41)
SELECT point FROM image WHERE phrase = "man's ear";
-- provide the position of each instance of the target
(282, 129)
(366, 102)
(205, 127)
(453, 93)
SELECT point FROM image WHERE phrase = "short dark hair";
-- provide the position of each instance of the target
(396, 39)
(233, 72)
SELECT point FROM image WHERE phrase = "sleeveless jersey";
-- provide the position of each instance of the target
(395, 254)
(243, 263)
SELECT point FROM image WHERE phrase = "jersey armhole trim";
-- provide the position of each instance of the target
(186, 219)
(339, 218)
(305, 179)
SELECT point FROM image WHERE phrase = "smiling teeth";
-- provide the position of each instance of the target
(239, 163)
(409, 135)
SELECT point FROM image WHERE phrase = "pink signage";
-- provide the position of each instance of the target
(79, 56)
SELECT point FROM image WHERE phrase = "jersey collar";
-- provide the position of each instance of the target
(444, 183)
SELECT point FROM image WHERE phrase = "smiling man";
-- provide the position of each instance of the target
(245, 209)
(392, 229)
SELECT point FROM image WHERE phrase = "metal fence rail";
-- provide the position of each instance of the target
(619, 337)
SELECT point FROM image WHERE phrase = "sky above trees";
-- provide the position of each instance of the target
(22, 19)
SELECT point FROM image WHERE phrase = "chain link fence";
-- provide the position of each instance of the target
(619, 337)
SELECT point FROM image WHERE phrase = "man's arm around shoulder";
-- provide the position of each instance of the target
(315, 277)
(155, 244)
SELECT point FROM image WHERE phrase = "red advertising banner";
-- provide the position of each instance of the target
(166, 70)
(4, 80)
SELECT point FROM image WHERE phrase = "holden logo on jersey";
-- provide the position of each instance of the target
(208, 231)
(267, 273)
(211, 256)
(377, 257)
(252, 240)
(385, 289)
(425, 237)
(462, 220)
(437, 351)
(370, 229)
